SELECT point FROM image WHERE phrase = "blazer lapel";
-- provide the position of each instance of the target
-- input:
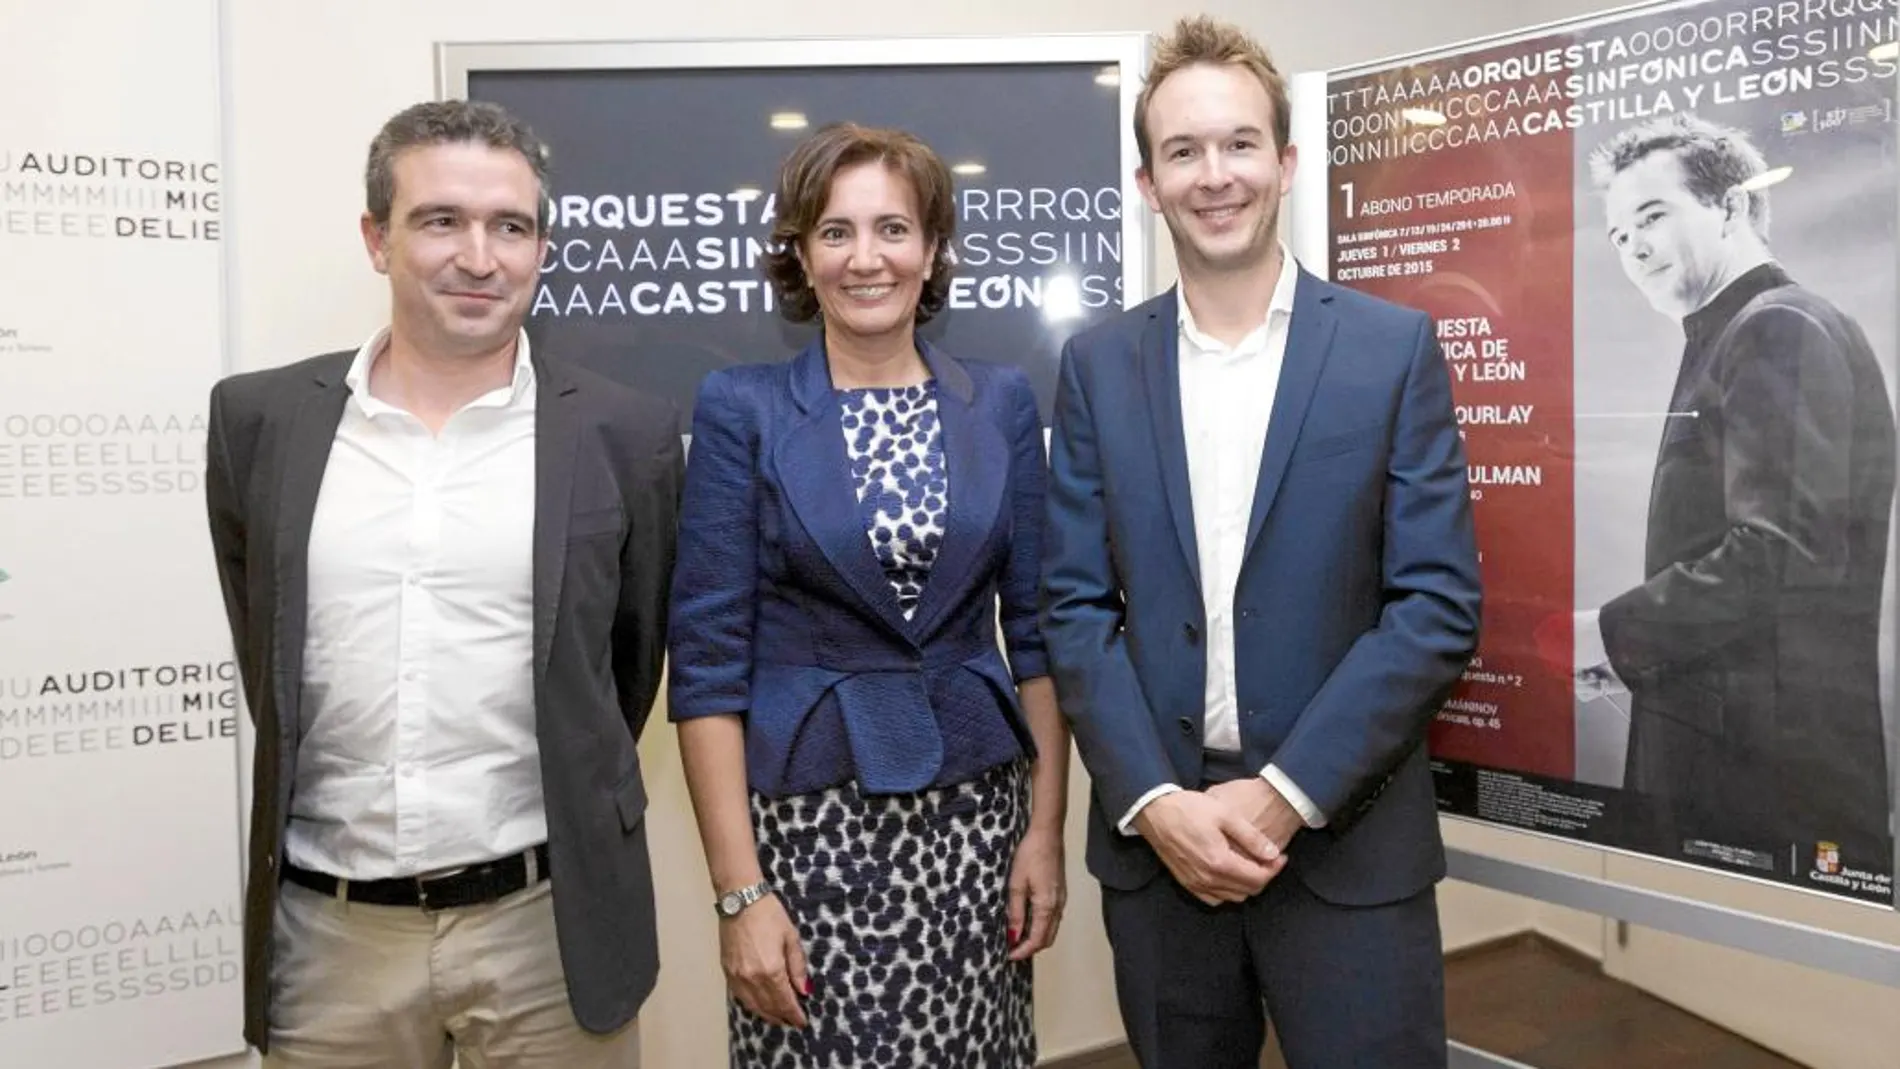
(976, 462)
(304, 457)
(556, 435)
(1161, 373)
(815, 472)
(1309, 340)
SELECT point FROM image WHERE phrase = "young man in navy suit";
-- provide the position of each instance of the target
(1260, 582)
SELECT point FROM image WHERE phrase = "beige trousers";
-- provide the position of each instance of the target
(357, 986)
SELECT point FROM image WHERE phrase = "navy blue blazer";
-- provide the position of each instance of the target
(781, 612)
(1357, 606)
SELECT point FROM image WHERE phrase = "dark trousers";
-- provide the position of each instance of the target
(1342, 986)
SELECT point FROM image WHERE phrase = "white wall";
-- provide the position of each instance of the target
(308, 84)
(1471, 915)
(1813, 1017)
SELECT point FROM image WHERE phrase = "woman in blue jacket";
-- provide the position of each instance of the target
(880, 795)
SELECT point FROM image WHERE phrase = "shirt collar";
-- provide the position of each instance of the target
(357, 379)
(1279, 304)
(1710, 320)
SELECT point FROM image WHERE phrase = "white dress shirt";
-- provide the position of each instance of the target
(1226, 402)
(418, 747)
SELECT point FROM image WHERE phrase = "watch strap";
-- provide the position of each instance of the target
(741, 897)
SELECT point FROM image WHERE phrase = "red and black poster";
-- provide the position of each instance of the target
(1659, 247)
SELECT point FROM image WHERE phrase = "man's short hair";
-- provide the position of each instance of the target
(1203, 41)
(804, 188)
(1715, 159)
(450, 122)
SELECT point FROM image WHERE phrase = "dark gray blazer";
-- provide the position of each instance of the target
(1752, 650)
(608, 468)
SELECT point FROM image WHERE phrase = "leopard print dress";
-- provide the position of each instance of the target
(901, 901)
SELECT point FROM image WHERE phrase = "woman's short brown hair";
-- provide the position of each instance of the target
(804, 188)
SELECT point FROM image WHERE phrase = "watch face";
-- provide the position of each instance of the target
(729, 903)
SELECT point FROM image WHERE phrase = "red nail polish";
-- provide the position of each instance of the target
(807, 985)
(1012, 935)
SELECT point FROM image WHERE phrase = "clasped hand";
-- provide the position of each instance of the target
(1224, 844)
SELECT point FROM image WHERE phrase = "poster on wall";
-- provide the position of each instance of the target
(654, 271)
(119, 884)
(1659, 246)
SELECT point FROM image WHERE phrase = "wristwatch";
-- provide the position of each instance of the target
(732, 902)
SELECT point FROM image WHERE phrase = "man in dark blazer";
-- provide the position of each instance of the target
(445, 562)
(1751, 649)
(1260, 582)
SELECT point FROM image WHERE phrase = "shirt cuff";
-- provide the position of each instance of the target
(1599, 681)
(1127, 824)
(1297, 798)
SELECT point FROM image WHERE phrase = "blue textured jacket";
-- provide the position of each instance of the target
(781, 612)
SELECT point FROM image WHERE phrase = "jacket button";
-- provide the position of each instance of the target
(1193, 633)
(1187, 726)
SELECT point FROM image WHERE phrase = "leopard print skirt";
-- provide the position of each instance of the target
(903, 907)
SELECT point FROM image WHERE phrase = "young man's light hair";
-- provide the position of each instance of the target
(1202, 41)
